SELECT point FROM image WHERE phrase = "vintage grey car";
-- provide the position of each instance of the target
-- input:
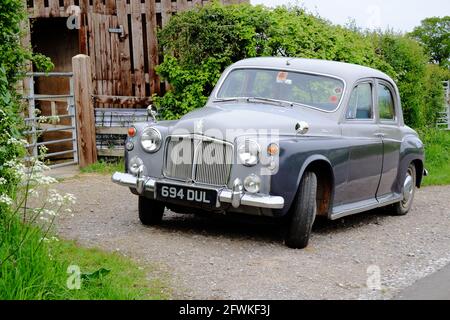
(280, 137)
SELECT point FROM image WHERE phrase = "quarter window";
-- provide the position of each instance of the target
(360, 105)
(385, 103)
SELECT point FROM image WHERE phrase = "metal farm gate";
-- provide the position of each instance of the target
(444, 116)
(56, 131)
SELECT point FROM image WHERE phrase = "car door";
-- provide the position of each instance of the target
(387, 110)
(361, 130)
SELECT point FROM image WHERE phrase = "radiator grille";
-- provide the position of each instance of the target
(201, 160)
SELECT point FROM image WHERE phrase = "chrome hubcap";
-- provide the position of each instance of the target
(408, 187)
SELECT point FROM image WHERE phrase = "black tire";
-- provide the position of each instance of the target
(401, 208)
(303, 212)
(150, 211)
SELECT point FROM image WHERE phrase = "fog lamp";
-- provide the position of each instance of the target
(252, 183)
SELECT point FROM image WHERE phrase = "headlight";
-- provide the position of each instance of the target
(248, 153)
(151, 139)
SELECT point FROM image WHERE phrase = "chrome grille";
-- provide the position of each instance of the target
(201, 159)
(179, 158)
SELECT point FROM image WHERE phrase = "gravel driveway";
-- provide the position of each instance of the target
(227, 258)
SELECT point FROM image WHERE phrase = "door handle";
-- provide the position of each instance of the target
(379, 134)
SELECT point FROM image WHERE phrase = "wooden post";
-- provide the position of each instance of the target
(87, 148)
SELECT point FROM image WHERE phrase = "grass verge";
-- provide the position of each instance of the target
(34, 269)
(104, 167)
(437, 156)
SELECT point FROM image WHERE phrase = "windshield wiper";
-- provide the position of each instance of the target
(269, 100)
(256, 100)
(230, 99)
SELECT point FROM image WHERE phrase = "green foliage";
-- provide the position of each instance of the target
(31, 268)
(13, 61)
(104, 167)
(434, 34)
(437, 155)
(434, 95)
(203, 41)
(407, 59)
(38, 270)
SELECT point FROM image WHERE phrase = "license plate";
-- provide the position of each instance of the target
(182, 194)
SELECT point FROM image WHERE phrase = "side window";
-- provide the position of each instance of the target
(360, 105)
(385, 103)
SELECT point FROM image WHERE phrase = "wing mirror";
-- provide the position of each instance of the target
(152, 112)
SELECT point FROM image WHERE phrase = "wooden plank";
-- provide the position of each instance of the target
(39, 8)
(54, 8)
(107, 67)
(124, 86)
(97, 54)
(98, 6)
(83, 34)
(182, 5)
(122, 100)
(91, 52)
(138, 52)
(115, 54)
(81, 66)
(111, 152)
(111, 130)
(110, 7)
(166, 11)
(152, 46)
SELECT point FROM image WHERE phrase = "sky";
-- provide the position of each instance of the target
(400, 15)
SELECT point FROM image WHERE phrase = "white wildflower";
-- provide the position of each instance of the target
(44, 180)
(69, 198)
(2, 180)
(49, 212)
(19, 142)
(6, 200)
(55, 198)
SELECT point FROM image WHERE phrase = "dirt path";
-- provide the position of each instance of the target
(221, 257)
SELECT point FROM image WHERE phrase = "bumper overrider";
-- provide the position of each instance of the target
(236, 196)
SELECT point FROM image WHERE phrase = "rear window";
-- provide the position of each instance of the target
(317, 91)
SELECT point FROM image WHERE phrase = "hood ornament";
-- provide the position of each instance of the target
(302, 127)
(152, 112)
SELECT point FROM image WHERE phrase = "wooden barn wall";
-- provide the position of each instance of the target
(122, 64)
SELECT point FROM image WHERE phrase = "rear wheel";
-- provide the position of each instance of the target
(408, 190)
(304, 212)
(150, 211)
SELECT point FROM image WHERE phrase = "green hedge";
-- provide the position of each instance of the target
(201, 42)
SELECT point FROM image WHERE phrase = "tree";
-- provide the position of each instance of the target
(434, 34)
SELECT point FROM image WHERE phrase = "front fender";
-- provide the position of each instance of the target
(296, 154)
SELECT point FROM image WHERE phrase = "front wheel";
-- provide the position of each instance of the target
(408, 190)
(150, 211)
(304, 212)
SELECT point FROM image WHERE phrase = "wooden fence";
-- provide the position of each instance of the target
(120, 38)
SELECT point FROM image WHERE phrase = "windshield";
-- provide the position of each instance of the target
(316, 91)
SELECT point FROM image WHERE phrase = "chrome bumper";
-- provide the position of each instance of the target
(236, 197)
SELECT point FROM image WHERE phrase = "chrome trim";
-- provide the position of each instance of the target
(197, 140)
(237, 193)
(384, 201)
(225, 195)
(219, 85)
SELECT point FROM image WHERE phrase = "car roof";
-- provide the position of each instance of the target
(349, 72)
